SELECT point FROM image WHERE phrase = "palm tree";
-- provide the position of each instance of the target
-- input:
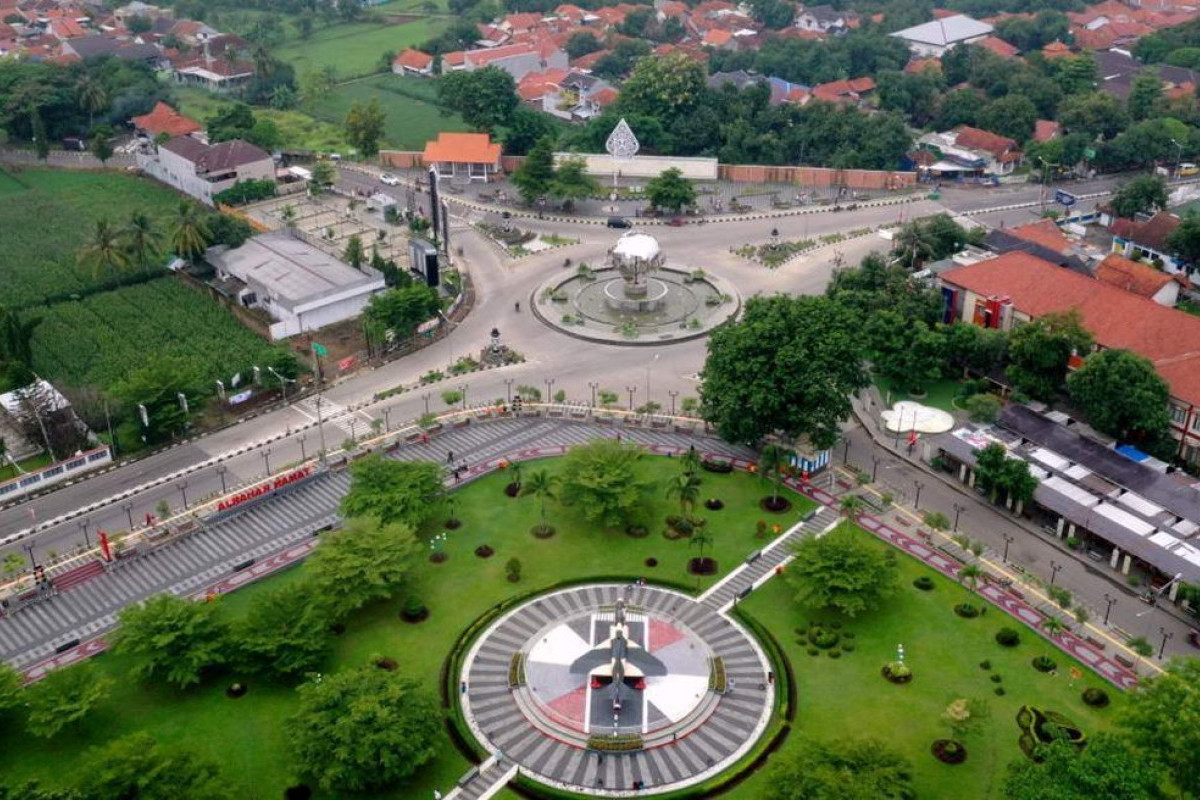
(851, 506)
(970, 575)
(141, 239)
(91, 96)
(542, 485)
(690, 461)
(771, 463)
(190, 233)
(104, 253)
(1053, 626)
(701, 540)
(16, 336)
(264, 62)
(687, 489)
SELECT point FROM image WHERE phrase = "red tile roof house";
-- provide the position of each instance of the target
(1132, 276)
(1147, 239)
(203, 170)
(852, 92)
(413, 62)
(1017, 287)
(971, 151)
(165, 121)
(517, 60)
(469, 156)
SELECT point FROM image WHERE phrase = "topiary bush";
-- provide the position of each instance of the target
(985, 664)
(823, 637)
(999, 690)
(835, 653)
(1044, 664)
(1007, 637)
(924, 583)
(812, 651)
(1096, 698)
(848, 647)
(967, 610)
(997, 678)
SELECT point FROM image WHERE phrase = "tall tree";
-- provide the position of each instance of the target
(486, 98)
(156, 385)
(572, 182)
(402, 310)
(354, 255)
(534, 177)
(542, 486)
(142, 239)
(1123, 395)
(366, 560)
(841, 570)
(1163, 723)
(663, 86)
(134, 766)
(1145, 95)
(10, 688)
(600, 478)
(101, 144)
(1013, 116)
(104, 254)
(363, 728)
(91, 95)
(392, 491)
(64, 697)
(171, 639)
(1107, 767)
(190, 233)
(1184, 241)
(284, 632)
(1041, 350)
(686, 488)
(790, 365)
(1143, 194)
(364, 126)
(840, 769)
(671, 191)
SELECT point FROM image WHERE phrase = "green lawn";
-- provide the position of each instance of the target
(849, 697)
(8, 471)
(939, 394)
(1184, 305)
(409, 103)
(355, 49)
(247, 736)
(299, 130)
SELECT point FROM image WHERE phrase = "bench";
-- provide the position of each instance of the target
(1096, 643)
(468, 776)
(755, 556)
(1124, 661)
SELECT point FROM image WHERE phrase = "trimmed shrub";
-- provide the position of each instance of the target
(835, 653)
(967, 610)
(985, 664)
(997, 678)
(999, 690)
(924, 583)
(1096, 698)
(1007, 637)
(1044, 664)
(848, 647)
(812, 651)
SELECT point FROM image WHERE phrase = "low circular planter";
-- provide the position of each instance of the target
(235, 690)
(651, 562)
(896, 673)
(414, 614)
(512, 489)
(702, 566)
(1044, 664)
(513, 578)
(453, 524)
(775, 505)
(637, 531)
(483, 551)
(542, 531)
(949, 751)
(386, 664)
(924, 583)
(1096, 698)
(967, 610)
(438, 558)
(713, 504)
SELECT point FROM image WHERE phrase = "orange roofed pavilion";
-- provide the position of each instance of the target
(473, 156)
(165, 120)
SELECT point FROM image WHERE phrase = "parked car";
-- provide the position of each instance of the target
(676, 222)
(389, 179)
(1187, 169)
(618, 222)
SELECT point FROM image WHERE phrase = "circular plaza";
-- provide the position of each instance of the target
(603, 689)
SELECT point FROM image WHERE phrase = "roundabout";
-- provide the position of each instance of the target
(602, 689)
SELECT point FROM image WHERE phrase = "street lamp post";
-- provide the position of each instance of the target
(1162, 648)
(631, 390)
(673, 394)
(1054, 568)
(32, 560)
(303, 454)
(387, 423)
(83, 525)
(846, 452)
(462, 388)
(593, 386)
(1008, 539)
(1178, 156)
(129, 512)
(649, 364)
(919, 486)
(549, 389)
(1112, 601)
(874, 467)
(182, 487)
(266, 454)
(321, 426)
(425, 397)
(221, 472)
(958, 509)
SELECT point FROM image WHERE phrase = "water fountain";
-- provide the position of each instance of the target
(636, 296)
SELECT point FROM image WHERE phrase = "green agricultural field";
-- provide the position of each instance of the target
(299, 131)
(413, 116)
(355, 49)
(99, 340)
(45, 224)
(249, 739)
(847, 697)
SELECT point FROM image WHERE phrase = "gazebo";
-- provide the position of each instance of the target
(473, 156)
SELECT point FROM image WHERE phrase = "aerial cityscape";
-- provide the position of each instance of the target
(467, 399)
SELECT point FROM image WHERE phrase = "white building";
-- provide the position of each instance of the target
(302, 287)
(932, 39)
(203, 170)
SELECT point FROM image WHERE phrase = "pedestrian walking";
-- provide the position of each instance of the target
(449, 456)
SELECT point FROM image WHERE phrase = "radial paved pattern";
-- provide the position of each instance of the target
(704, 747)
(88, 608)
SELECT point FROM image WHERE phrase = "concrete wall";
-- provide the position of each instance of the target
(697, 169)
(55, 473)
(177, 172)
(336, 310)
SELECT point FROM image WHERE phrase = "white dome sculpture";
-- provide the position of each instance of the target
(637, 246)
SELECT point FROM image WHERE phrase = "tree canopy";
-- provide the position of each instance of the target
(600, 478)
(135, 766)
(840, 769)
(670, 190)
(1143, 194)
(401, 310)
(790, 365)
(1123, 395)
(486, 98)
(1163, 721)
(364, 561)
(172, 638)
(284, 632)
(363, 728)
(392, 491)
(1041, 350)
(64, 697)
(1107, 767)
(841, 570)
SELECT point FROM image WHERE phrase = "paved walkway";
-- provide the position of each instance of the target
(61, 627)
